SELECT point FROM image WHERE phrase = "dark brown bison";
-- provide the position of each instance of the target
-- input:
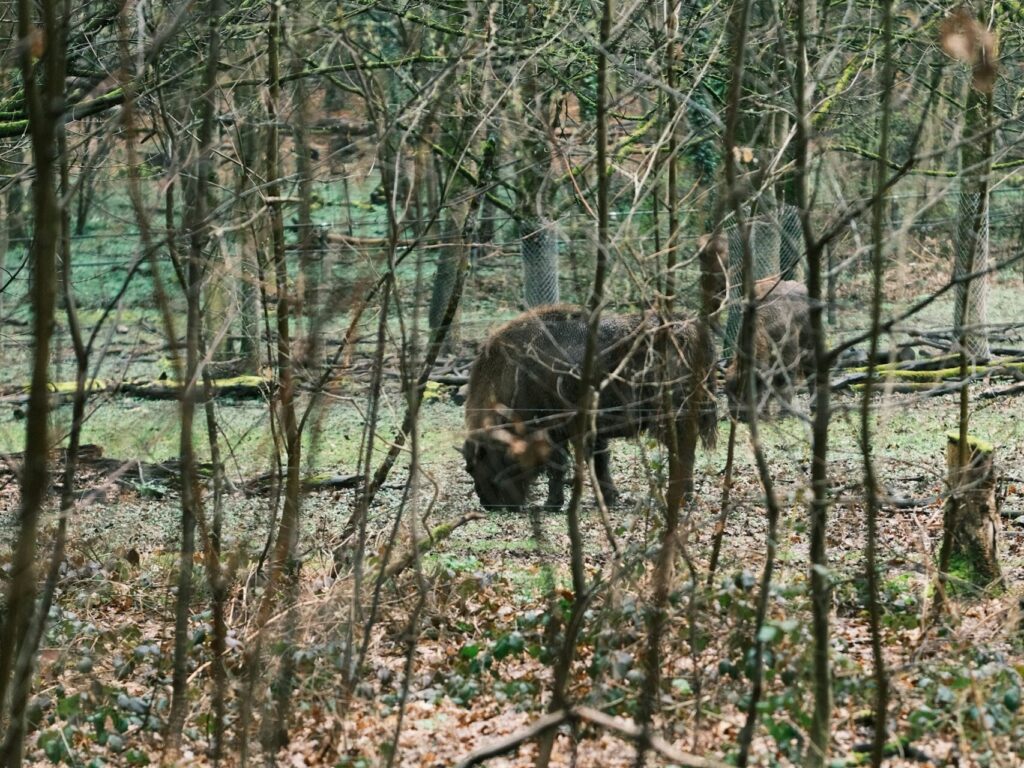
(525, 385)
(783, 347)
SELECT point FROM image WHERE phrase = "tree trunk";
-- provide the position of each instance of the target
(44, 98)
(191, 498)
(448, 272)
(538, 247)
(539, 251)
(871, 502)
(820, 729)
(970, 312)
(971, 521)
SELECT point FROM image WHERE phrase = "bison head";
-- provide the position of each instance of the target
(503, 462)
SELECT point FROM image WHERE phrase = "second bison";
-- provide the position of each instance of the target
(525, 385)
(783, 347)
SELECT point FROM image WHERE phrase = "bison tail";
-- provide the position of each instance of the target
(707, 422)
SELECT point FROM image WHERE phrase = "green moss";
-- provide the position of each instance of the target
(964, 579)
(897, 365)
(975, 443)
(241, 381)
(890, 371)
(69, 387)
(233, 381)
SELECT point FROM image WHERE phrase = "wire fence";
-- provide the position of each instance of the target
(513, 271)
(777, 249)
(972, 255)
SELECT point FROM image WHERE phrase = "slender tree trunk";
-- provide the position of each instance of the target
(14, 743)
(284, 565)
(44, 98)
(972, 236)
(739, 23)
(972, 255)
(681, 447)
(300, 308)
(247, 242)
(583, 421)
(537, 242)
(22, 626)
(821, 591)
(870, 480)
(191, 500)
(723, 515)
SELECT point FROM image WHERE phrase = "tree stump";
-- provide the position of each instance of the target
(971, 520)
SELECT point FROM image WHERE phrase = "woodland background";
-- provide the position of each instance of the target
(247, 254)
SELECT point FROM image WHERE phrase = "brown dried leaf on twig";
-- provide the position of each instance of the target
(967, 40)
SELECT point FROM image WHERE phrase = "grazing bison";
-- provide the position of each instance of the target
(525, 385)
(783, 347)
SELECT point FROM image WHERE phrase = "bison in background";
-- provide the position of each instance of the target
(525, 385)
(783, 348)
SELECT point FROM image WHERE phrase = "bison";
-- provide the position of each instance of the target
(524, 388)
(783, 347)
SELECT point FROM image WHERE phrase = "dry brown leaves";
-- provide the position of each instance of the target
(964, 38)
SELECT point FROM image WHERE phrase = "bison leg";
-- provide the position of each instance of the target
(809, 380)
(556, 477)
(603, 470)
(784, 393)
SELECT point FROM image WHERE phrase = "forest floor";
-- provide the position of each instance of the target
(485, 603)
(460, 650)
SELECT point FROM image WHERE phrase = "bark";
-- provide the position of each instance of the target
(14, 743)
(871, 501)
(456, 221)
(23, 621)
(681, 447)
(971, 520)
(284, 565)
(218, 580)
(45, 103)
(820, 582)
(584, 419)
(972, 341)
(195, 271)
(248, 242)
(537, 242)
(969, 309)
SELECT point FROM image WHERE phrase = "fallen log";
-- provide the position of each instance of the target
(913, 377)
(323, 482)
(143, 475)
(240, 387)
